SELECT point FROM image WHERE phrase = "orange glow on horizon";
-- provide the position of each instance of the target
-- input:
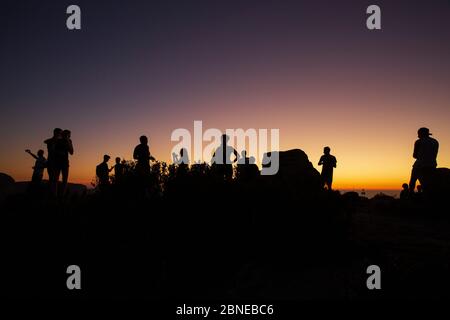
(373, 148)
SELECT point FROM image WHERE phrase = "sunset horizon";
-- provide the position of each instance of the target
(216, 158)
(163, 66)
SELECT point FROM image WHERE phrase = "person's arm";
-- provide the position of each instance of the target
(416, 149)
(437, 149)
(334, 162)
(31, 154)
(70, 146)
(135, 154)
(320, 161)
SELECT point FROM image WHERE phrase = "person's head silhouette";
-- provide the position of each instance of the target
(118, 160)
(57, 132)
(40, 153)
(423, 133)
(66, 134)
(405, 186)
(143, 140)
(106, 158)
(326, 150)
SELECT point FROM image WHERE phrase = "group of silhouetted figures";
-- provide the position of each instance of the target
(60, 146)
(141, 155)
(222, 162)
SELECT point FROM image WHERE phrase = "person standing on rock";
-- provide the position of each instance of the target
(328, 163)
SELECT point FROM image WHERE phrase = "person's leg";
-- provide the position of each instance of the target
(36, 178)
(51, 177)
(413, 180)
(55, 179)
(425, 176)
(65, 178)
(330, 179)
(322, 180)
(326, 178)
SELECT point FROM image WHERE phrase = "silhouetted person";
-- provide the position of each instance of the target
(183, 159)
(419, 189)
(222, 159)
(182, 162)
(328, 163)
(246, 167)
(142, 155)
(102, 170)
(64, 147)
(243, 159)
(425, 153)
(39, 166)
(51, 142)
(59, 147)
(404, 194)
(118, 171)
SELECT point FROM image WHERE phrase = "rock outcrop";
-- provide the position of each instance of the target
(295, 173)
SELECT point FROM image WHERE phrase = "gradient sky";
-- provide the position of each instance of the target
(309, 68)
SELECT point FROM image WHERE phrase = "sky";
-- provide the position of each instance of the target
(308, 68)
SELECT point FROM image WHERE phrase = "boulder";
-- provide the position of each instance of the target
(439, 182)
(295, 171)
(5, 181)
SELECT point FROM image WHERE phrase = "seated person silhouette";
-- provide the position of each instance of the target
(425, 152)
(39, 166)
(221, 159)
(404, 194)
(328, 163)
(102, 172)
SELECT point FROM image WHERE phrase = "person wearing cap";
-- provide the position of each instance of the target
(102, 172)
(425, 152)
